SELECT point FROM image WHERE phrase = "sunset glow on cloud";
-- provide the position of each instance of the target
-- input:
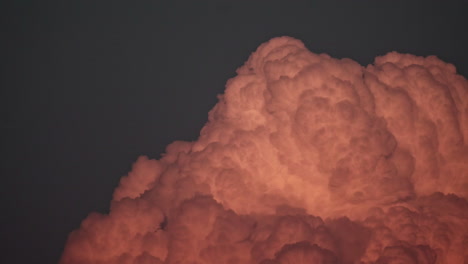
(305, 159)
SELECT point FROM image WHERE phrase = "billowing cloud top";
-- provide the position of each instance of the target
(305, 159)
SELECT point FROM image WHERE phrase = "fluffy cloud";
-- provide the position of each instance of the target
(305, 159)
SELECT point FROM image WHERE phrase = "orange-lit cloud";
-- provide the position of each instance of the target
(305, 159)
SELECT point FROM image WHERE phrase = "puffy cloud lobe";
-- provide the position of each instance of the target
(305, 159)
(302, 252)
(144, 175)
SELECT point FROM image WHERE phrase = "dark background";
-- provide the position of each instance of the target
(88, 86)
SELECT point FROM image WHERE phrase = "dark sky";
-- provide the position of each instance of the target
(88, 86)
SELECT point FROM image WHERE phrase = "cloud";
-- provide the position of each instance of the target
(305, 159)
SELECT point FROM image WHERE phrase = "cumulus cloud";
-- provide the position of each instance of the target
(305, 159)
